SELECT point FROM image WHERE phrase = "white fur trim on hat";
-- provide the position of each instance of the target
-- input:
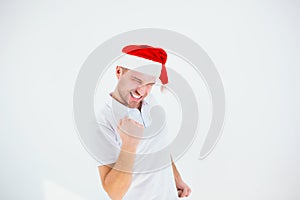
(139, 64)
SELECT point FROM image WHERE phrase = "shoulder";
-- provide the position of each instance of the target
(151, 100)
(104, 113)
(106, 121)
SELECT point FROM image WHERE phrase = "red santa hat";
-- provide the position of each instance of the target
(137, 55)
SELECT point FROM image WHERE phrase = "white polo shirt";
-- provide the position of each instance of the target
(157, 185)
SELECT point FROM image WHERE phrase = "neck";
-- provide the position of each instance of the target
(115, 95)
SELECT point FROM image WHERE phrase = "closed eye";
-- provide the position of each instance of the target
(136, 79)
(151, 84)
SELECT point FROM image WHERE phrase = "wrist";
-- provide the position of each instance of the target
(128, 148)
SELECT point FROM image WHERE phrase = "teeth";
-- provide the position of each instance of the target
(135, 96)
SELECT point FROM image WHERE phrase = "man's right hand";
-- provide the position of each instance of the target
(131, 133)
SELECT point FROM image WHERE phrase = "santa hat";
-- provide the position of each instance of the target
(139, 55)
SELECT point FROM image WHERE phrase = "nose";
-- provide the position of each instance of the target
(142, 90)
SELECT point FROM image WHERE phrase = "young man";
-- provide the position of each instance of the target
(116, 170)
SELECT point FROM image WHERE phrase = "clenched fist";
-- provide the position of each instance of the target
(131, 133)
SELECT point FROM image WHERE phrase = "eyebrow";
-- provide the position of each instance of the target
(136, 78)
(141, 81)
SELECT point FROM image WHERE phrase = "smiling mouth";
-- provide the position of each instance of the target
(135, 96)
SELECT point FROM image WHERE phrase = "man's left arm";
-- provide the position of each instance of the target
(183, 189)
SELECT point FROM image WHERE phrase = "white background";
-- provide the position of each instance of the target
(254, 44)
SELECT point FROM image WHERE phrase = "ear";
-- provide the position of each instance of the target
(119, 72)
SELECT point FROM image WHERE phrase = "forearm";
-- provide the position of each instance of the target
(118, 180)
(183, 189)
(177, 176)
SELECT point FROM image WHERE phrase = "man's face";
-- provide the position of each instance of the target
(133, 86)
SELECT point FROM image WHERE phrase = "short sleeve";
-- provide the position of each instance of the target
(108, 139)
